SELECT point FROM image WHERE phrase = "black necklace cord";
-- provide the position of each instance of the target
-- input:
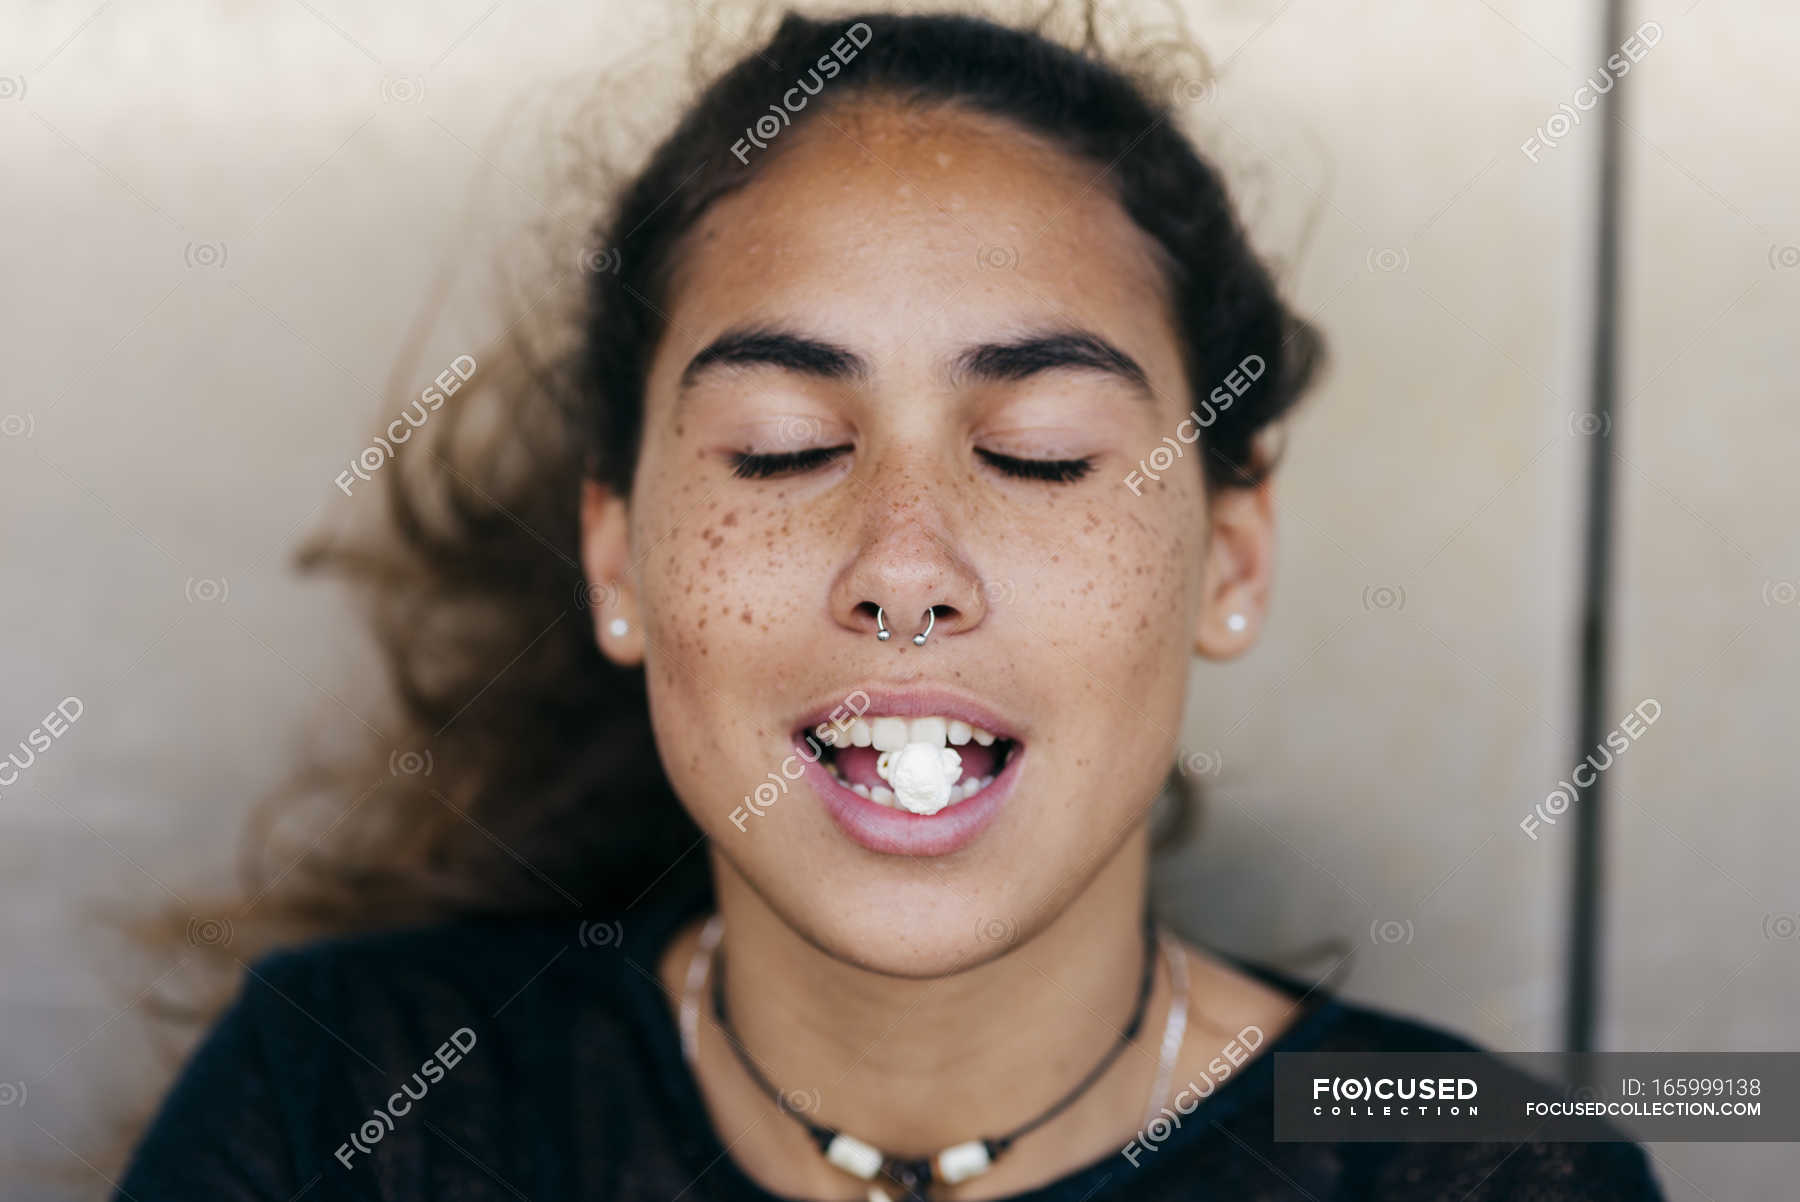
(915, 1173)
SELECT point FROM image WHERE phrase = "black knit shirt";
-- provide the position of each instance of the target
(498, 1060)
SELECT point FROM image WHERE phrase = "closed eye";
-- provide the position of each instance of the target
(747, 466)
(1057, 471)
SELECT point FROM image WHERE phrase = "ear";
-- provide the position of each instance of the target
(1240, 558)
(606, 561)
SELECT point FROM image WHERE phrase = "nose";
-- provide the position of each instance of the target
(908, 577)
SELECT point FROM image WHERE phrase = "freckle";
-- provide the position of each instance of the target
(745, 617)
(731, 518)
(702, 625)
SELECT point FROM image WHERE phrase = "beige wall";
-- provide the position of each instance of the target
(1412, 697)
(1705, 905)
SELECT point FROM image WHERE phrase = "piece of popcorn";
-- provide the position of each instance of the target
(922, 774)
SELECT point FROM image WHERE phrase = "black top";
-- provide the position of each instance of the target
(513, 1059)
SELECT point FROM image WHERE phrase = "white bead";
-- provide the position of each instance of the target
(854, 1156)
(963, 1161)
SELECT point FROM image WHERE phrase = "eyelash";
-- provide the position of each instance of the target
(1056, 471)
(747, 466)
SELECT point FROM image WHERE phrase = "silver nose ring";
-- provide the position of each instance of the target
(882, 633)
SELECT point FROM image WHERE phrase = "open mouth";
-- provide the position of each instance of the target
(917, 765)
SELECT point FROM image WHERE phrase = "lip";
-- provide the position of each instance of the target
(891, 831)
(915, 703)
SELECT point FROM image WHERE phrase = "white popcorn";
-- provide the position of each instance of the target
(923, 775)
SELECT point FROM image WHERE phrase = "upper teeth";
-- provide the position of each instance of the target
(891, 734)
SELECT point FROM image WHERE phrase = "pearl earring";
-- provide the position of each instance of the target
(618, 627)
(1237, 622)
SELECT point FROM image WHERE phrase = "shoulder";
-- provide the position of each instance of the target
(473, 955)
(1480, 1171)
(384, 1056)
(1289, 1009)
(372, 996)
(1502, 1172)
(1417, 1172)
(329, 1044)
(1367, 1028)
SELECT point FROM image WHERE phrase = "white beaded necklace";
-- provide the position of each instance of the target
(960, 1161)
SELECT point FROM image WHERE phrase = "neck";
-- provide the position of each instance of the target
(916, 1065)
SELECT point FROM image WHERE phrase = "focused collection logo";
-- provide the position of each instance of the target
(1386, 1097)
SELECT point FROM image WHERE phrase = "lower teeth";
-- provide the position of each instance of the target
(883, 795)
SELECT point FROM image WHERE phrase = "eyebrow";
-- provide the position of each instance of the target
(773, 347)
(1014, 359)
(1051, 350)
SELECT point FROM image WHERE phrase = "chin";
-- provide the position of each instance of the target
(939, 937)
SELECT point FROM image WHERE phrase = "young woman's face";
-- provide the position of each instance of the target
(964, 340)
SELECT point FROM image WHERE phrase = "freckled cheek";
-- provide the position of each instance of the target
(1128, 626)
(728, 595)
(711, 735)
(1133, 587)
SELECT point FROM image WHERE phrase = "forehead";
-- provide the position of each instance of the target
(902, 228)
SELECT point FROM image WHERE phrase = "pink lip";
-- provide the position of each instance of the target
(913, 704)
(897, 832)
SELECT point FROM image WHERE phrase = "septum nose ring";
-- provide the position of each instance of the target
(883, 633)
